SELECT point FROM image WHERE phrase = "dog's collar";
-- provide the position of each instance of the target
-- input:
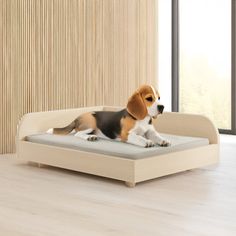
(131, 115)
(151, 117)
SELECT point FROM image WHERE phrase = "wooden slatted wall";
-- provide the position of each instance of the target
(57, 54)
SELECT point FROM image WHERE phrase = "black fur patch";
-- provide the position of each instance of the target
(109, 122)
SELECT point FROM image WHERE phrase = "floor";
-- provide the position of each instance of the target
(50, 201)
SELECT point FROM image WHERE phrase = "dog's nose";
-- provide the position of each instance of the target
(160, 108)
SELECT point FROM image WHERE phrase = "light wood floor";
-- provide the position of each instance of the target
(50, 201)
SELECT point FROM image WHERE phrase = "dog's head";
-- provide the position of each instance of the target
(145, 101)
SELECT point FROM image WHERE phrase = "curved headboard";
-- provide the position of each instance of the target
(187, 125)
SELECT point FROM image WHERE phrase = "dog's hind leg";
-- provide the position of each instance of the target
(87, 134)
(86, 127)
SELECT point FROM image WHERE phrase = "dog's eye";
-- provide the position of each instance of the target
(149, 99)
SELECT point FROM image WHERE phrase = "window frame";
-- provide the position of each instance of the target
(175, 62)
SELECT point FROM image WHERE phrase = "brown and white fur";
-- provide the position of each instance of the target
(132, 124)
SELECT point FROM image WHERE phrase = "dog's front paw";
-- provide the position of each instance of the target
(164, 143)
(92, 137)
(149, 143)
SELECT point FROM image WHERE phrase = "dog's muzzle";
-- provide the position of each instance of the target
(160, 108)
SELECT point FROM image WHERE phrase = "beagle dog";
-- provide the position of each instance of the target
(132, 124)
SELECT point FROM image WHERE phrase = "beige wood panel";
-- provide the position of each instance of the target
(71, 53)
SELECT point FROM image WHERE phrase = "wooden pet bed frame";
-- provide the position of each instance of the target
(130, 171)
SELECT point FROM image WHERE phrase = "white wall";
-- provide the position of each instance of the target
(164, 51)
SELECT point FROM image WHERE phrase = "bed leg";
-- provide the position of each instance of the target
(130, 184)
(36, 164)
(40, 165)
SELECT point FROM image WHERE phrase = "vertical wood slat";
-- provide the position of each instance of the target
(71, 53)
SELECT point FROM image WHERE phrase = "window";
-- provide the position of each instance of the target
(202, 59)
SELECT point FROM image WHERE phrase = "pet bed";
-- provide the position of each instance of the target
(194, 143)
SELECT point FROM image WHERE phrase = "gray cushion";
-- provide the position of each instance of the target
(116, 148)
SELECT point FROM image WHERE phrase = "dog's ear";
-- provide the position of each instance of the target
(136, 106)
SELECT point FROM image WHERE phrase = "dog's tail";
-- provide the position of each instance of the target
(64, 130)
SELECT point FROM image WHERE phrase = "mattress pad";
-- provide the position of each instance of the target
(117, 148)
